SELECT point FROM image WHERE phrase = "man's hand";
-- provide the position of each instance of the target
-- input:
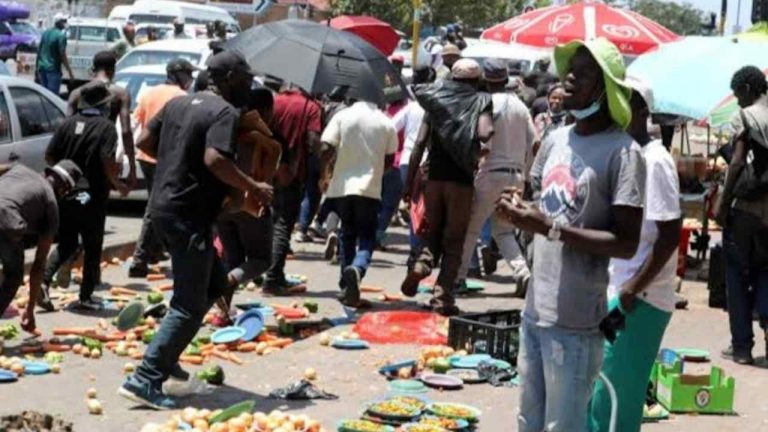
(131, 181)
(524, 215)
(28, 323)
(627, 297)
(263, 192)
(122, 188)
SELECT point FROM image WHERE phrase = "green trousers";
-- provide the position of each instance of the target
(627, 363)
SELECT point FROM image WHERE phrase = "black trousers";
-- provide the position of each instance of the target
(12, 259)
(87, 223)
(148, 246)
(285, 211)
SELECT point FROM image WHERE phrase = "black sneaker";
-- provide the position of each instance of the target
(138, 270)
(144, 395)
(738, 357)
(488, 260)
(179, 374)
(350, 286)
(331, 245)
(89, 304)
(44, 299)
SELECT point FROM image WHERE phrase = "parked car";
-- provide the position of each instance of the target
(86, 37)
(524, 55)
(29, 114)
(196, 51)
(17, 36)
(165, 12)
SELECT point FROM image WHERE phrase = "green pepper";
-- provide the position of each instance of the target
(311, 306)
(193, 350)
(92, 344)
(147, 336)
(155, 298)
(54, 357)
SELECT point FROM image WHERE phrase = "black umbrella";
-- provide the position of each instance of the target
(318, 58)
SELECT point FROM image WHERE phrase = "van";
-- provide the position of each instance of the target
(120, 14)
(86, 37)
(165, 12)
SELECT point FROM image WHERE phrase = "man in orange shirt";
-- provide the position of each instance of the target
(150, 103)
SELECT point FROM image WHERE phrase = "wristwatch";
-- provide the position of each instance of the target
(554, 232)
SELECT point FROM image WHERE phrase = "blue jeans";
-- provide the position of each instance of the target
(358, 231)
(51, 81)
(391, 193)
(312, 195)
(746, 280)
(485, 240)
(558, 368)
(198, 280)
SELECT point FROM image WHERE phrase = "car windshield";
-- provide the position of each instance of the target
(145, 57)
(136, 83)
(22, 27)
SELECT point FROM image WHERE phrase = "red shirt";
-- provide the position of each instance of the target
(296, 114)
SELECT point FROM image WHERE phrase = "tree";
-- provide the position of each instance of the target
(683, 19)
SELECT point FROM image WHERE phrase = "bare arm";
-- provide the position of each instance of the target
(327, 162)
(112, 172)
(485, 129)
(414, 163)
(147, 143)
(738, 160)
(65, 62)
(227, 172)
(72, 102)
(665, 246)
(127, 133)
(35, 281)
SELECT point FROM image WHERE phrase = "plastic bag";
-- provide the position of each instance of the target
(496, 376)
(453, 109)
(302, 390)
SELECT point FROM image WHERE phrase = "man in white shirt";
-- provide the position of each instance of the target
(510, 151)
(362, 140)
(408, 121)
(643, 287)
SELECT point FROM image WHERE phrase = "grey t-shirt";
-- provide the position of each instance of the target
(578, 179)
(27, 204)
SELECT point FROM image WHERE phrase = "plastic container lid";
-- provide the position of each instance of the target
(227, 335)
(252, 322)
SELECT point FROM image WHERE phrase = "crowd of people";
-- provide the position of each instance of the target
(556, 173)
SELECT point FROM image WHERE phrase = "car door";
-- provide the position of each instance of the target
(37, 116)
(7, 46)
(7, 146)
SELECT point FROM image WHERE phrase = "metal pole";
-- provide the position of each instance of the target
(416, 31)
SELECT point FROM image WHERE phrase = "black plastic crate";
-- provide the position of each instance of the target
(493, 333)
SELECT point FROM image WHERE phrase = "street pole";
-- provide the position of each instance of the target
(416, 31)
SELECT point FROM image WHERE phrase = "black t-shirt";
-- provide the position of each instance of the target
(184, 129)
(87, 140)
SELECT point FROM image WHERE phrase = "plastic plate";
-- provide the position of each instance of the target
(377, 410)
(470, 413)
(348, 426)
(393, 368)
(442, 381)
(234, 411)
(7, 376)
(407, 387)
(250, 305)
(475, 285)
(418, 427)
(35, 368)
(468, 376)
(130, 316)
(252, 322)
(469, 362)
(227, 335)
(350, 344)
(458, 424)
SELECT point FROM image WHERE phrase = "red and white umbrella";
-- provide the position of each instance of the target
(632, 33)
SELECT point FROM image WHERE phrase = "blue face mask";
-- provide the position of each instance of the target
(592, 109)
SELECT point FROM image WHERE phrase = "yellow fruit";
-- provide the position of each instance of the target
(86, 352)
(200, 424)
(94, 406)
(91, 393)
(130, 337)
(77, 349)
(310, 374)
(56, 368)
(325, 339)
(218, 427)
(189, 414)
(95, 353)
(261, 347)
(18, 369)
(129, 368)
(313, 426)
(203, 414)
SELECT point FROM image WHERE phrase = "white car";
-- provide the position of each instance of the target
(525, 55)
(196, 51)
(29, 114)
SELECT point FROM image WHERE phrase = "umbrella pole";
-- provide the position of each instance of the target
(416, 31)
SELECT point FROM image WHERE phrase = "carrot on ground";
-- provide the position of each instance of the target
(220, 354)
(164, 287)
(192, 359)
(247, 347)
(31, 349)
(156, 277)
(50, 347)
(235, 359)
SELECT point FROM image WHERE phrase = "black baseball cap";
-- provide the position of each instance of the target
(495, 71)
(180, 65)
(229, 61)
